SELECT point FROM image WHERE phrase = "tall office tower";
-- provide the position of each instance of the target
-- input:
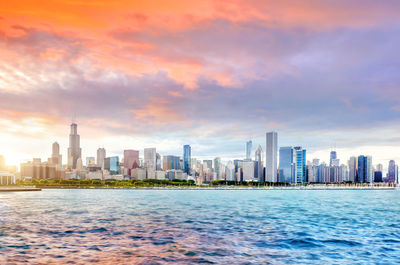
(286, 164)
(248, 170)
(352, 163)
(150, 162)
(55, 154)
(332, 157)
(90, 160)
(101, 154)
(271, 157)
(249, 145)
(345, 173)
(230, 171)
(187, 157)
(300, 167)
(217, 168)
(391, 175)
(260, 165)
(131, 160)
(171, 162)
(335, 162)
(364, 169)
(74, 149)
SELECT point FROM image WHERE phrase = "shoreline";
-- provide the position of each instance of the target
(223, 188)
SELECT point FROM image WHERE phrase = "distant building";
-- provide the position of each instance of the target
(364, 169)
(150, 162)
(249, 170)
(131, 160)
(217, 168)
(286, 164)
(101, 154)
(74, 149)
(7, 178)
(333, 156)
(248, 149)
(230, 171)
(391, 175)
(300, 168)
(90, 160)
(171, 162)
(271, 157)
(258, 157)
(378, 177)
(112, 164)
(55, 154)
(352, 169)
(187, 156)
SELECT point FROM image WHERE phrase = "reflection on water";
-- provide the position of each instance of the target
(235, 226)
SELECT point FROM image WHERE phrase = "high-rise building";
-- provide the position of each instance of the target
(74, 149)
(249, 145)
(286, 164)
(333, 156)
(217, 168)
(158, 161)
(300, 168)
(112, 164)
(171, 162)
(391, 175)
(208, 164)
(230, 171)
(55, 154)
(131, 160)
(150, 162)
(364, 169)
(352, 169)
(187, 156)
(101, 155)
(248, 170)
(260, 166)
(271, 157)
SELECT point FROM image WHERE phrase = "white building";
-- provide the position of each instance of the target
(271, 157)
(7, 178)
(248, 171)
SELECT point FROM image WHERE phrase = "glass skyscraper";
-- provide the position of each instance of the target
(249, 145)
(271, 157)
(286, 164)
(300, 168)
(187, 157)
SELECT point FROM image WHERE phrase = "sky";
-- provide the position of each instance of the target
(212, 74)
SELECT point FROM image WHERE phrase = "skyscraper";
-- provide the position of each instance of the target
(271, 157)
(391, 175)
(260, 166)
(171, 162)
(55, 154)
(364, 169)
(150, 162)
(352, 169)
(333, 156)
(249, 145)
(74, 149)
(300, 168)
(286, 164)
(217, 168)
(101, 155)
(131, 160)
(187, 156)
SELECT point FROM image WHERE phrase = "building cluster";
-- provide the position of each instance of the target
(287, 164)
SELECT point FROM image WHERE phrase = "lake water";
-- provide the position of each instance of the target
(190, 226)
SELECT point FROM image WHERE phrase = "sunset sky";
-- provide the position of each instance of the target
(212, 74)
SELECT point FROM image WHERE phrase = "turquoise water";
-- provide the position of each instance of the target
(213, 226)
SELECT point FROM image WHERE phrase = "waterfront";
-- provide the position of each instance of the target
(208, 226)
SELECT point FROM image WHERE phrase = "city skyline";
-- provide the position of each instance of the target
(322, 75)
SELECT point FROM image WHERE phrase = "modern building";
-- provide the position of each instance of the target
(230, 171)
(248, 149)
(391, 175)
(258, 157)
(101, 154)
(150, 162)
(112, 164)
(208, 164)
(55, 154)
(333, 156)
(171, 162)
(90, 160)
(187, 156)
(74, 149)
(217, 168)
(364, 169)
(352, 164)
(271, 157)
(131, 160)
(300, 167)
(286, 164)
(249, 170)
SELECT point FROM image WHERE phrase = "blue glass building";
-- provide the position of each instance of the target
(187, 157)
(300, 160)
(286, 164)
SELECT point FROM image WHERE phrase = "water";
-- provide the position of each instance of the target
(213, 226)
